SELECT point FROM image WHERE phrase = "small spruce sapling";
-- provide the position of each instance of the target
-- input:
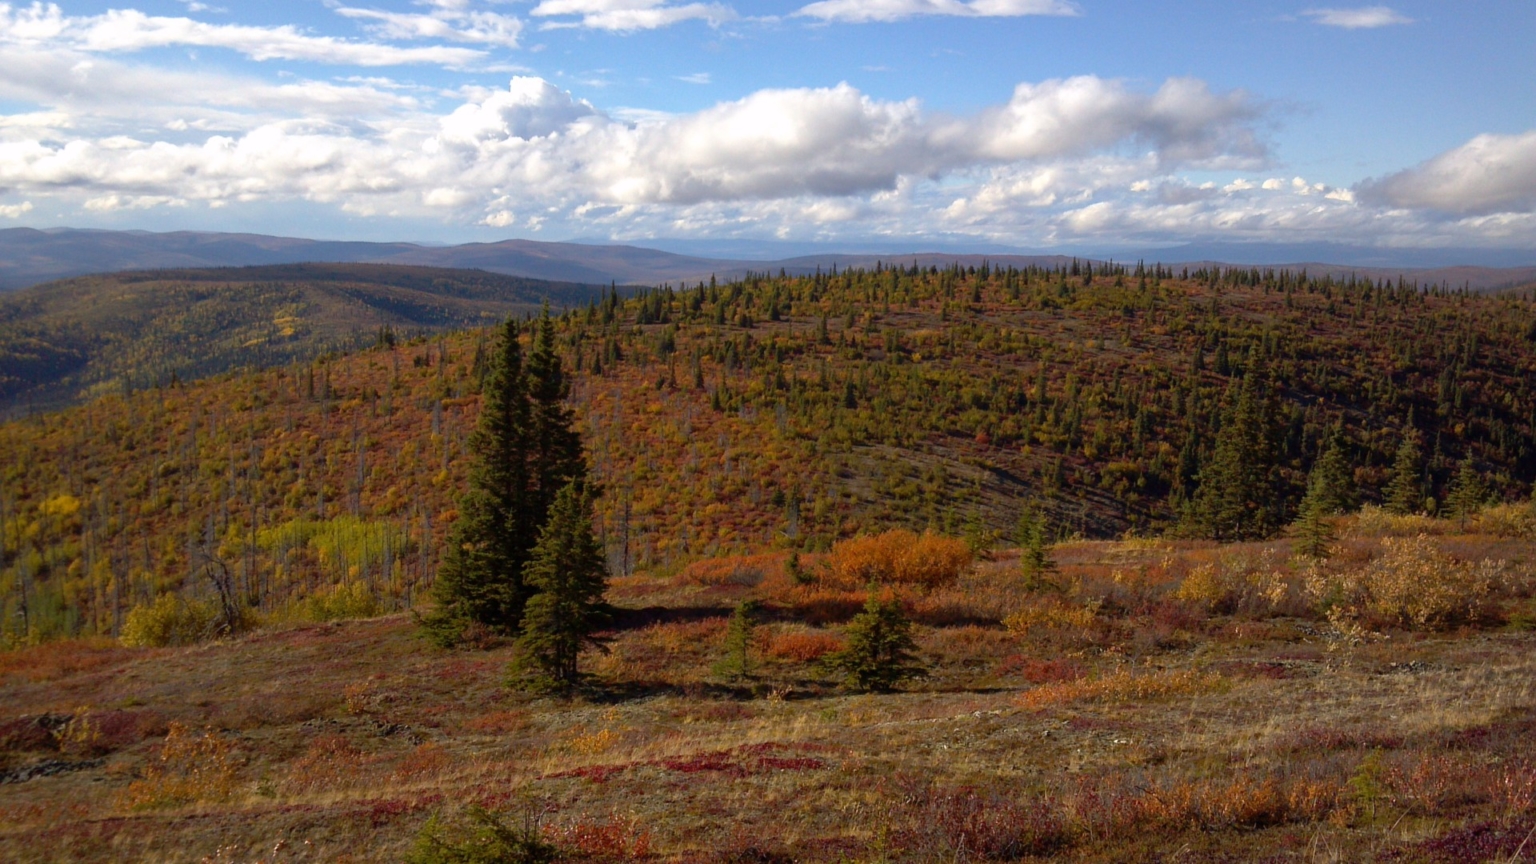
(1468, 494)
(796, 571)
(1314, 531)
(881, 652)
(1035, 562)
(737, 662)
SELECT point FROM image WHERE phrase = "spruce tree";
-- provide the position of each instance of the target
(567, 573)
(736, 664)
(1238, 497)
(481, 576)
(1332, 475)
(881, 652)
(555, 447)
(1405, 491)
(525, 448)
(1035, 562)
(1314, 531)
(1467, 494)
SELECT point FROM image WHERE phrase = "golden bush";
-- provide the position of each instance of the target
(81, 736)
(1051, 614)
(1376, 522)
(170, 620)
(1202, 587)
(342, 601)
(190, 768)
(898, 558)
(1516, 521)
(1237, 582)
(1412, 583)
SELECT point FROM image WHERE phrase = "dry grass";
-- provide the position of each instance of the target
(1124, 685)
(1121, 716)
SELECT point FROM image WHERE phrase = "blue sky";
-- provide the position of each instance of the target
(1025, 123)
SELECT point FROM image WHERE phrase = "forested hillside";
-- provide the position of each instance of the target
(776, 412)
(82, 337)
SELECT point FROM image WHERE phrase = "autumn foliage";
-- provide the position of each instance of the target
(898, 557)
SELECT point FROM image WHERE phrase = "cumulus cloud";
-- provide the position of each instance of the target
(1057, 161)
(538, 143)
(128, 30)
(1489, 174)
(528, 108)
(1183, 121)
(1361, 18)
(862, 11)
(15, 211)
(630, 15)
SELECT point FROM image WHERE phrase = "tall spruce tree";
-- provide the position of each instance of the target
(555, 449)
(1405, 491)
(481, 576)
(567, 573)
(1238, 496)
(525, 448)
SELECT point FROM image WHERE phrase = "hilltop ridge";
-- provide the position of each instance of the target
(782, 412)
(29, 256)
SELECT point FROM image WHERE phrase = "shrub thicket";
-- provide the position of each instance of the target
(898, 558)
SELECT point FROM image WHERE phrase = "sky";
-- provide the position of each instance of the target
(1028, 124)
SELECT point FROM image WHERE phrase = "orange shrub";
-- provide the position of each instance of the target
(898, 557)
(685, 637)
(745, 570)
(802, 646)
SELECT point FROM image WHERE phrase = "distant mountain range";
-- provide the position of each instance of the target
(29, 256)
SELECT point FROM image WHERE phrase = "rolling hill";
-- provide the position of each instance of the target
(65, 340)
(772, 413)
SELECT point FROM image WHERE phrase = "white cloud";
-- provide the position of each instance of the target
(695, 78)
(1360, 18)
(109, 203)
(1489, 174)
(15, 211)
(1058, 161)
(1182, 121)
(630, 15)
(860, 11)
(540, 144)
(128, 30)
(102, 94)
(528, 108)
(452, 22)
